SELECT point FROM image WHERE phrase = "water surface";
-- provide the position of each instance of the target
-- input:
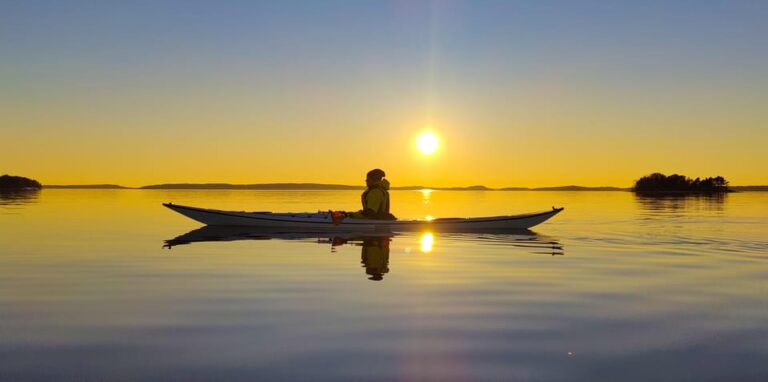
(617, 287)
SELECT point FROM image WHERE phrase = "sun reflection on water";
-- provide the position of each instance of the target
(426, 195)
(426, 242)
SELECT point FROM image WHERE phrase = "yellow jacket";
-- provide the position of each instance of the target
(375, 200)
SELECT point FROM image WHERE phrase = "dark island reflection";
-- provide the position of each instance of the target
(18, 197)
(681, 203)
(374, 246)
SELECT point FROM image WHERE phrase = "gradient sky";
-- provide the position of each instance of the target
(521, 93)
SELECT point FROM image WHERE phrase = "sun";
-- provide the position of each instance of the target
(427, 143)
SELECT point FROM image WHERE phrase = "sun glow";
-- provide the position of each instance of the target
(427, 143)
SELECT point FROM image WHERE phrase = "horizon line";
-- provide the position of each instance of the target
(308, 185)
(331, 186)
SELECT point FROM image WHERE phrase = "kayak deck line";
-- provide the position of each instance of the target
(323, 219)
(250, 215)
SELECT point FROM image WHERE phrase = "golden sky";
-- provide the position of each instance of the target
(519, 93)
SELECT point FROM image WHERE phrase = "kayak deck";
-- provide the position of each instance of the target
(323, 220)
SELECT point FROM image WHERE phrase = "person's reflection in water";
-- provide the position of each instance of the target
(374, 254)
(375, 257)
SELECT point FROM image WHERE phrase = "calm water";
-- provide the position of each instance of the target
(614, 288)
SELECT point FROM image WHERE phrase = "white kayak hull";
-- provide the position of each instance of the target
(323, 221)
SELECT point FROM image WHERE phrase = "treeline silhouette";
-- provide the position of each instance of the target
(658, 182)
(9, 182)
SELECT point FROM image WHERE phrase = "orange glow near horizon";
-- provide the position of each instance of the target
(531, 156)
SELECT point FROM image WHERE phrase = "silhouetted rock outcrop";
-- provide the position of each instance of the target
(8, 182)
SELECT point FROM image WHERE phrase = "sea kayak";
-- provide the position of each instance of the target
(324, 221)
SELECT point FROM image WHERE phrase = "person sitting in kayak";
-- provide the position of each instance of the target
(375, 198)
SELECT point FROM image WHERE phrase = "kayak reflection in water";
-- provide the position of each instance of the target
(374, 254)
(375, 198)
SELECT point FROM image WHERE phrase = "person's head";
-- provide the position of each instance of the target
(373, 176)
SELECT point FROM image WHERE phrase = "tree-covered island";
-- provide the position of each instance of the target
(660, 183)
(9, 182)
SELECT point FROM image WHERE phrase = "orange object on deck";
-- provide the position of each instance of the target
(338, 216)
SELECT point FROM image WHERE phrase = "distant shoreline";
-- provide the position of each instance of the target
(341, 187)
(88, 186)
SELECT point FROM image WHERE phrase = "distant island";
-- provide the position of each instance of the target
(568, 188)
(749, 188)
(337, 187)
(87, 186)
(9, 182)
(320, 186)
(263, 186)
(292, 186)
(675, 183)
